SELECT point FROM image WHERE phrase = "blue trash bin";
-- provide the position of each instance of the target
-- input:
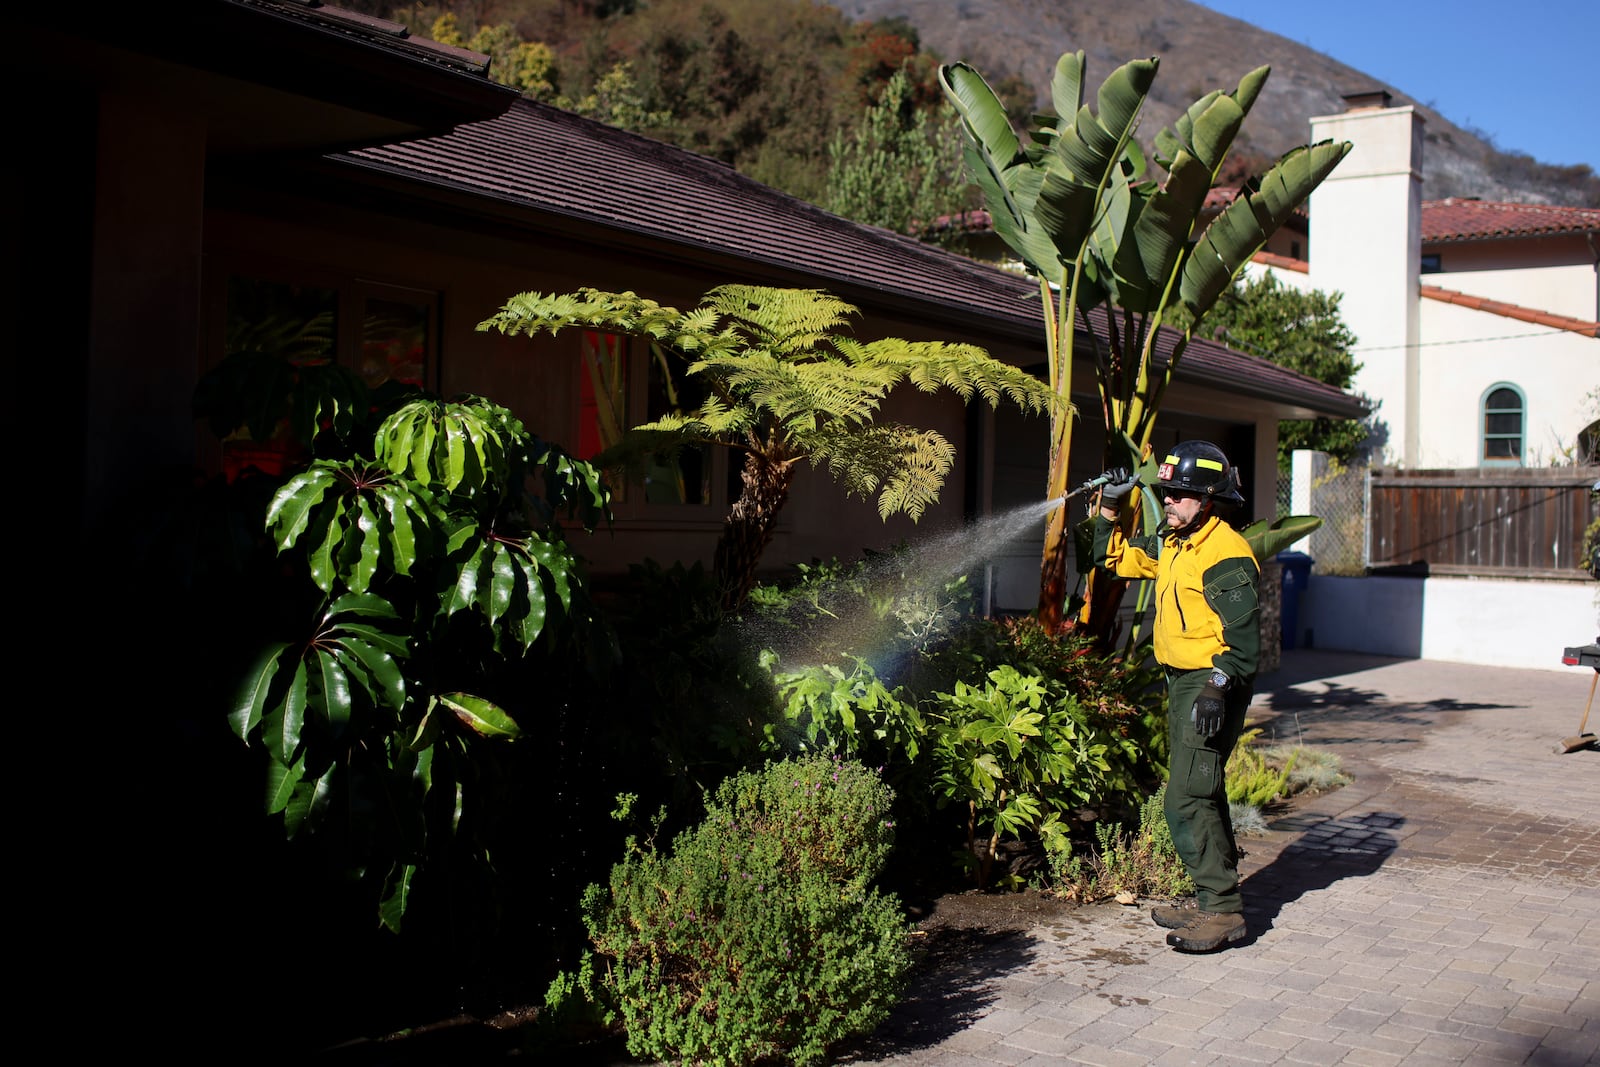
(1296, 573)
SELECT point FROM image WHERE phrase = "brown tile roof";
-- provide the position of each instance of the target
(549, 171)
(1512, 311)
(1457, 219)
(350, 78)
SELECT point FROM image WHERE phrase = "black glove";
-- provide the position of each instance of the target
(1120, 482)
(1208, 711)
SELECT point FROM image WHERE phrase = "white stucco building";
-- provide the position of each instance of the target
(1476, 320)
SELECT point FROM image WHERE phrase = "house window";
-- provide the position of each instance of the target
(624, 384)
(684, 478)
(386, 334)
(1431, 264)
(1503, 422)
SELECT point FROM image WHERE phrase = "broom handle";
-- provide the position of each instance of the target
(1590, 701)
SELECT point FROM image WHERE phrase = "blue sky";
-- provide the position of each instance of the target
(1523, 72)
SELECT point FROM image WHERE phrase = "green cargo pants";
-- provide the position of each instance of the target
(1197, 799)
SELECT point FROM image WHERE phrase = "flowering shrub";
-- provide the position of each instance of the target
(759, 935)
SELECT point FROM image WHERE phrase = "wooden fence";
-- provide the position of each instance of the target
(1520, 522)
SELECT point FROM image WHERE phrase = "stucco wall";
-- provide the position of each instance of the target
(1466, 352)
(1502, 623)
(1567, 289)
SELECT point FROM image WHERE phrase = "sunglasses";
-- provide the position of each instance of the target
(1168, 493)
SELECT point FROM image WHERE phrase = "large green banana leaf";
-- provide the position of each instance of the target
(1086, 156)
(1244, 225)
(1008, 176)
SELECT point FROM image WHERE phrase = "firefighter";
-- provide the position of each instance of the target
(1206, 639)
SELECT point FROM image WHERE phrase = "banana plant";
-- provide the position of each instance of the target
(1078, 207)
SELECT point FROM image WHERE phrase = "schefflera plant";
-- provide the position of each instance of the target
(759, 936)
(429, 559)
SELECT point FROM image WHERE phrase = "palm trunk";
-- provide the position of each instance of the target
(748, 528)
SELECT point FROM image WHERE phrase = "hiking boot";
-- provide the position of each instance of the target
(1173, 916)
(1207, 931)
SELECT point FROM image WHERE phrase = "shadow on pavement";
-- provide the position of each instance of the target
(1328, 850)
(949, 991)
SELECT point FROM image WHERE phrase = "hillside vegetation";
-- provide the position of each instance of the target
(765, 85)
(1200, 50)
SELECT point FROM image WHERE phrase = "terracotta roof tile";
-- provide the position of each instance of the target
(1512, 311)
(551, 170)
(1458, 219)
(1273, 259)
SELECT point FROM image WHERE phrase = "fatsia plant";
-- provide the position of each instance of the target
(1078, 207)
(784, 384)
(430, 564)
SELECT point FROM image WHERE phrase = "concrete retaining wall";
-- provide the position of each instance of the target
(1496, 622)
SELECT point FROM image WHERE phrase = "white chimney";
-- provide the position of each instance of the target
(1366, 243)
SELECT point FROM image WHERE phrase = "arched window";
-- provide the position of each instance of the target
(1502, 428)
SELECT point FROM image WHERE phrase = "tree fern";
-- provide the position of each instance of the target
(785, 383)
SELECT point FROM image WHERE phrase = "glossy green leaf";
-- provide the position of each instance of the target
(461, 535)
(559, 565)
(309, 803)
(393, 644)
(455, 466)
(356, 672)
(398, 505)
(369, 539)
(481, 716)
(427, 731)
(466, 587)
(506, 577)
(422, 467)
(335, 690)
(393, 441)
(292, 505)
(321, 559)
(422, 770)
(396, 896)
(366, 604)
(281, 781)
(251, 700)
(289, 718)
(383, 668)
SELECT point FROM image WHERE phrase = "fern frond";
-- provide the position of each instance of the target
(964, 369)
(904, 465)
(784, 321)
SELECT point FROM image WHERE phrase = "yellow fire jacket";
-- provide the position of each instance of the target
(1206, 593)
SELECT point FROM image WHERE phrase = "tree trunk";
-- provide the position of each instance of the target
(1057, 534)
(748, 528)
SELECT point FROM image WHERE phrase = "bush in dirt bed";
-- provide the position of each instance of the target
(759, 935)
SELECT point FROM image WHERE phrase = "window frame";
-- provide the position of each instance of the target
(1485, 436)
(352, 290)
(629, 503)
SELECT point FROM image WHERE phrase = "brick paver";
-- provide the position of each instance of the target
(1444, 908)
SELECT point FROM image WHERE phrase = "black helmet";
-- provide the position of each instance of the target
(1200, 467)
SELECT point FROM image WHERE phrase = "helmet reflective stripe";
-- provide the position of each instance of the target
(1200, 467)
